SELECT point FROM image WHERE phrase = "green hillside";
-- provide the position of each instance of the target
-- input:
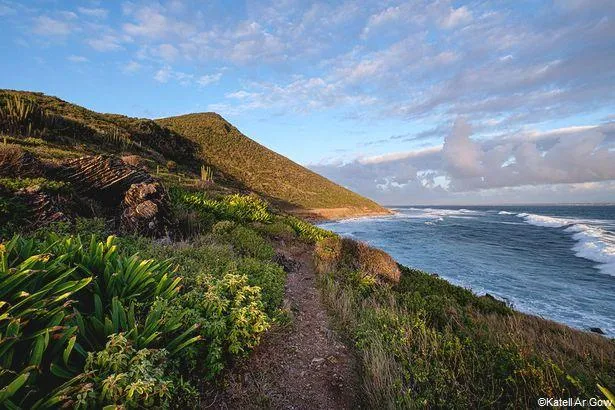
(259, 168)
(60, 129)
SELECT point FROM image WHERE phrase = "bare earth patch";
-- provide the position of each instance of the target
(305, 365)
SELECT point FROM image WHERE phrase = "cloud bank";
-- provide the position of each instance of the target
(514, 168)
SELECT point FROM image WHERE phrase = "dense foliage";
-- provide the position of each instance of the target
(236, 207)
(88, 324)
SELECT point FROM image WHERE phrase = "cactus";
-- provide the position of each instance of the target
(207, 174)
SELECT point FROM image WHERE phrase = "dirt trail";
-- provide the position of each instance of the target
(304, 366)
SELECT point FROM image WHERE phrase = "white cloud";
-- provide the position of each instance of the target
(163, 75)
(106, 42)
(77, 59)
(93, 12)
(580, 158)
(131, 67)
(48, 26)
(206, 80)
(168, 52)
(456, 17)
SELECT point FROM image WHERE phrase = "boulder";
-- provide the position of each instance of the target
(145, 210)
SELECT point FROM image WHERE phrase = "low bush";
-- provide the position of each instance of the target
(45, 185)
(171, 165)
(249, 243)
(119, 375)
(14, 214)
(346, 253)
(231, 319)
(14, 160)
(278, 230)
(236, 207)
(232, 298)
(306, 231)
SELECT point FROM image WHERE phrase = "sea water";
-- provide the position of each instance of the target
(557, 262)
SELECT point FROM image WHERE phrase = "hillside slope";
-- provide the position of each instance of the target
(261, 169)
(60, 129)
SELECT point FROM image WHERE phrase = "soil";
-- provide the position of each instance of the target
(301, 366)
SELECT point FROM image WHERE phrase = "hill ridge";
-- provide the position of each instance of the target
(191, 140)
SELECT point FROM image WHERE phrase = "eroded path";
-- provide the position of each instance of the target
(305, 365)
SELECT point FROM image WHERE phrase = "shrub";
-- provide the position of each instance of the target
(249, 243)
(240, 208)
(14, 215)
(278, 229)
(15, 161)
(307, 231)
(327, 254)
(171, 165)
(269, 277)
(46, 185)
(231, 319)
(345, 253)
(223, 227)
(20, 116)
(122, 376)
(370, 260)
(61, 298)
(134, 160)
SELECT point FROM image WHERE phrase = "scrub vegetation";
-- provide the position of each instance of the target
(426, 343)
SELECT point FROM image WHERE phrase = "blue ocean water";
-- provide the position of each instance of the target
(557, 262)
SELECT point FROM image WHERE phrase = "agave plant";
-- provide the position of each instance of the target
(60, 296)
(36, 334)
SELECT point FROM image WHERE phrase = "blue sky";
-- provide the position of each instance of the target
(406, 102)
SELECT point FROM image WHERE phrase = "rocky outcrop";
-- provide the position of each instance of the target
(104, 185)
(145, 210)
(104, 177)
(44, 208)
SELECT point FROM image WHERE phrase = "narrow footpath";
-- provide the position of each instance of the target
(303, 366)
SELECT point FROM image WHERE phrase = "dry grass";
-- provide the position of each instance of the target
(336, 253)
(559, 343)
(426, 343)
(134, 160)
(18, 162)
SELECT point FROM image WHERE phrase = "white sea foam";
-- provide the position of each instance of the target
(506, 213)
(593, 242)
(439, 214)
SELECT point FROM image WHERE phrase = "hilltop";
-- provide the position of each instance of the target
(236, 161)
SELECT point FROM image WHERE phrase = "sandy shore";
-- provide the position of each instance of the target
(330, 214)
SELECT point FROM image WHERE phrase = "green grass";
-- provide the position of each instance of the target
(427, 343)
(260, 169)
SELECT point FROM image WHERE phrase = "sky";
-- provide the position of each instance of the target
(407, 102)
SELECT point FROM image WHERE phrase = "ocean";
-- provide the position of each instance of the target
(557, 262)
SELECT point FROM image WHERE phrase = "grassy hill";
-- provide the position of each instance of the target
(259, 168)
(62, 129)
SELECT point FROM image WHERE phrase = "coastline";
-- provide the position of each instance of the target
(316, 215)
